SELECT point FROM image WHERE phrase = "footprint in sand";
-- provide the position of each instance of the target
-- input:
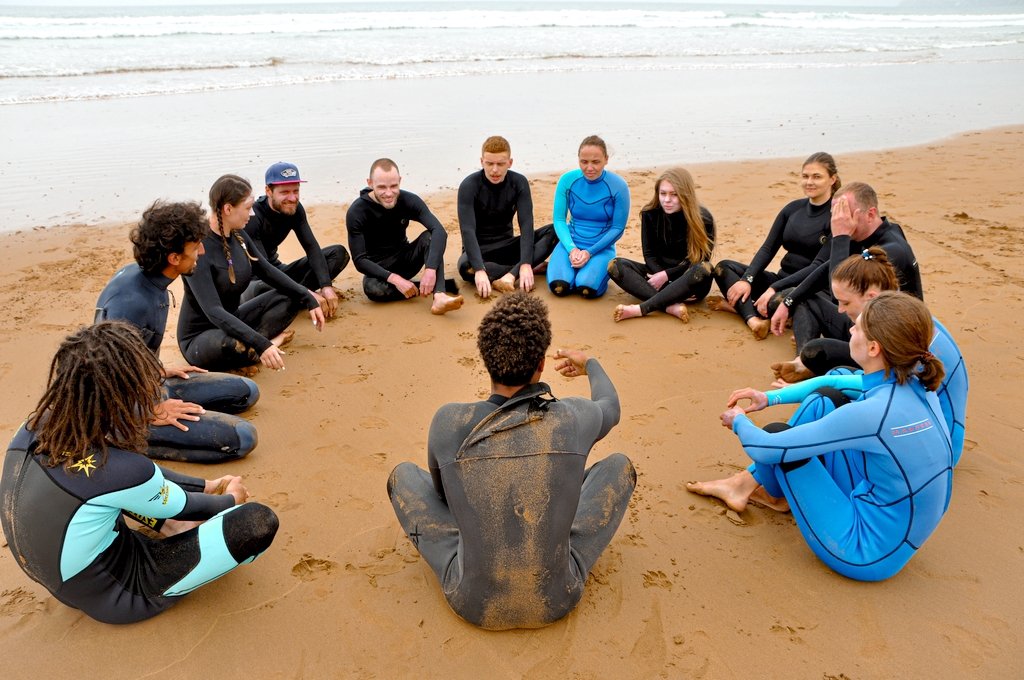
(417, 339)
(373, 423)
(309, 568)
(354, 378)
(19, 602)
(280, 502)
(469, 362)
(657, 579)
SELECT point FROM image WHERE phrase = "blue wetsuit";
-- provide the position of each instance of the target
(66, 528)
(599, 211)
(142, 299)
(894, 446)
(952, 393)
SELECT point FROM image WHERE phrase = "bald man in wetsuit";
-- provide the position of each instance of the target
(195, 421)
(508, 516)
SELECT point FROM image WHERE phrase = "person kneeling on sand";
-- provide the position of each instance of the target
(377, 222)
(508, 517)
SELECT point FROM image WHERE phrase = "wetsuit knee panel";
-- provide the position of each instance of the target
(249, 530)
(560, 288)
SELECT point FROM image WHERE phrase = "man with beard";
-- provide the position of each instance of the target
(167, 244)
(279, 213)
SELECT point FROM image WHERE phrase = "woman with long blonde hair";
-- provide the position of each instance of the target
(677, 234)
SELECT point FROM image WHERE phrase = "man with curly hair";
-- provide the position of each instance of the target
(167, 244)
(508, 517)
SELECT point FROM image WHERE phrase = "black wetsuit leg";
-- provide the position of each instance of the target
(604, 497)
(817, 317)
(406, 264)
(301, 272)
(821, 355)
(631, 276)
(269, 314)
(215, 391)
(501, 260)
(692, 286)
(544, 241)
(426, 519)
(169, 565)
(728, 272)
(214, 438)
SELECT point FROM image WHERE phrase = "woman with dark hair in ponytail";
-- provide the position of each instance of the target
(801, 229)
(867, 480)
(215, 331)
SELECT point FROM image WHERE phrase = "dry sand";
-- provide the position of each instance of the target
(685, 589)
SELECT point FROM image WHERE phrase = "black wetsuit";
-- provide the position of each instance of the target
(269, 228)
(802, 229)
(67, 530)
(215, 331)
(665, 239)
(379, 245)
(485, 220)
(812, 307)
(508, 517)
(142, 300)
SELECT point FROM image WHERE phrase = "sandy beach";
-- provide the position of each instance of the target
(686, 588)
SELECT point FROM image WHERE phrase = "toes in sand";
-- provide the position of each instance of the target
(721, 490)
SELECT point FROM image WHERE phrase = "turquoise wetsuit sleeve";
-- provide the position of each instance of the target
(161, 498)
(854, 426)
(797, 392)
(561, 209)
(620, 212)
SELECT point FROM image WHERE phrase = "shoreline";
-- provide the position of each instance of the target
(685, 589)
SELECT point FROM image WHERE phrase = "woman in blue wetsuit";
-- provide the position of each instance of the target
(868, 482)
(75, 469)
(856, 280)
(590, 213)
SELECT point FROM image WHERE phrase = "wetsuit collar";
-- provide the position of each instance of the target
(873, 380)
(596, 179)
(158, 280)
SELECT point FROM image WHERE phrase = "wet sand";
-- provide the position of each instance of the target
(686, 588)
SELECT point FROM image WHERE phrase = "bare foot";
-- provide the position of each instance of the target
(506, 284)
(734, 491)
(679, 311)
(626, 312)
(759, 327)
(761, 497)
(283, 339)
(717, 303)
(444, 303)
(791, 371)
(248, 371)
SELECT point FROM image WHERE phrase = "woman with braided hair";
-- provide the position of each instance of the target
(215, 330)
(77, 467)
(869, 480)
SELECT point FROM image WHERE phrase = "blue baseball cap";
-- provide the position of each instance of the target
(283, 173)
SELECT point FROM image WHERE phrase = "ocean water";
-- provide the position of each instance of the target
(104, 109)
(60, 54)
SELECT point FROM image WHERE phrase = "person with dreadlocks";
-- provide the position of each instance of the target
(75, 469)
(168, 242)
(509, 517)
(215, 329)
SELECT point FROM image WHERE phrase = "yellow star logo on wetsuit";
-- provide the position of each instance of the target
(85, 465)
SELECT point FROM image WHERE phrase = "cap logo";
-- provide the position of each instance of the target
(289, 172)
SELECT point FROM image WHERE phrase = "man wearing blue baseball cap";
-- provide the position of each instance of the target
(279, 213)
